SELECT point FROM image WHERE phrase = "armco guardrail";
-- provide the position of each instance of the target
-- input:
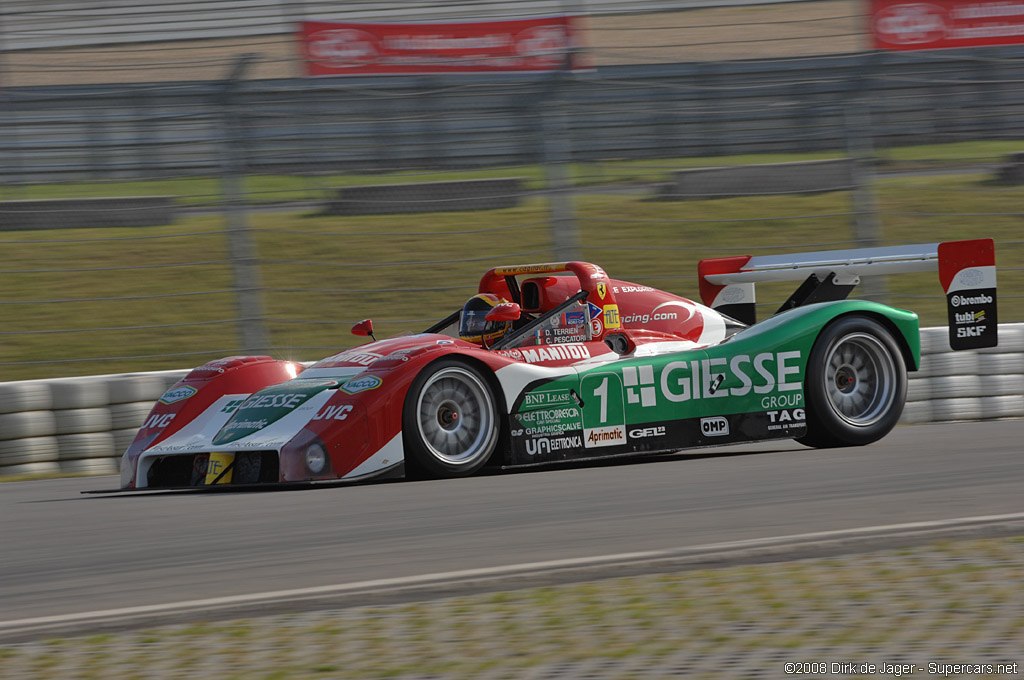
(84, 424)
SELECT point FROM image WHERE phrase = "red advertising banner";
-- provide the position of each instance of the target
(371, 49)
(902, 25)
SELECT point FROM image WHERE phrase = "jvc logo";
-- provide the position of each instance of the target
(158, 420)
(639, 378)
(714, 427)
(334, 412)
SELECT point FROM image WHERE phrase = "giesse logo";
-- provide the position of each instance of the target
(685, 380)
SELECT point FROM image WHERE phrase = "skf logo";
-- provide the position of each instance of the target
(639, 383)
(714, 427)
(602, 289)
(971, 332)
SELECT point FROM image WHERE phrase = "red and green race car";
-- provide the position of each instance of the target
(560, 362)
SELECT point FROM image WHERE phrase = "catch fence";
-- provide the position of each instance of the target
(264, 240)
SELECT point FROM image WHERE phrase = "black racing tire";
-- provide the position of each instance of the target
(856, 384)
(450, 422)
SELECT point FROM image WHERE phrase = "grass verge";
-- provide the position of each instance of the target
(947, 602)
(89, 301)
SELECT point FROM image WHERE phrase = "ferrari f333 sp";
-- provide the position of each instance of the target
(559, 361)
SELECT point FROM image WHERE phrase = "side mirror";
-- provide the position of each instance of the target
(507, 311)
(364, 328)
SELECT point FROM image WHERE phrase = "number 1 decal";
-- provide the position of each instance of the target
(602, 392)
(605, 405)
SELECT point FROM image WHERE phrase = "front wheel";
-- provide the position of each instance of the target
(450, 421)
(856, 384)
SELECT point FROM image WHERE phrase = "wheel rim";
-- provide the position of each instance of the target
(456, 417)
(860, 379)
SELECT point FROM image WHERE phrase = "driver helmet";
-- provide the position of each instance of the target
(473, 324)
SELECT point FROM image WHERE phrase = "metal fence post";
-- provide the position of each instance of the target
(241, 249)
(860, 149)
(556, 155)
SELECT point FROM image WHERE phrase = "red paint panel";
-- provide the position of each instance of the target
(939, 24)
(717, 265)
(458, 47)
(955, 256)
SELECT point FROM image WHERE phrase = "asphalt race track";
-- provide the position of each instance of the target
(64, 553)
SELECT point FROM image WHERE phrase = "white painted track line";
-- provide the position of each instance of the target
(773, 544)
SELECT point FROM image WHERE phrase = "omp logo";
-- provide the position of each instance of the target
(714, 427)
(639, 383)
(959, 300)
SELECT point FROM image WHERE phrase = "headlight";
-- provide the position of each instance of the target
(316, 458)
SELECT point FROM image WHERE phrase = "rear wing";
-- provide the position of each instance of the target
(967, 272)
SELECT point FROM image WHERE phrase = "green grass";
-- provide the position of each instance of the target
(321, 274)
(727, 621)
(316, 187)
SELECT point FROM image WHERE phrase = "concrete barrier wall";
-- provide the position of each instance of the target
(386, 199)
(802, 177)
(85, 424)
(77, 213)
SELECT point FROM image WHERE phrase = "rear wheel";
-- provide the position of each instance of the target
(856, 384)
(450, 421)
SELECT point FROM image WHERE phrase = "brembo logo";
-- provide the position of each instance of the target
(959, 300)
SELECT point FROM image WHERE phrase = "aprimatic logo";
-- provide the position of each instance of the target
(604, 436)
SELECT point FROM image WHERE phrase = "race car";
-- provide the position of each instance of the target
(560, 362)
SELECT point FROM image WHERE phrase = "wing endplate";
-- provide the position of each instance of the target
(966, 269)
